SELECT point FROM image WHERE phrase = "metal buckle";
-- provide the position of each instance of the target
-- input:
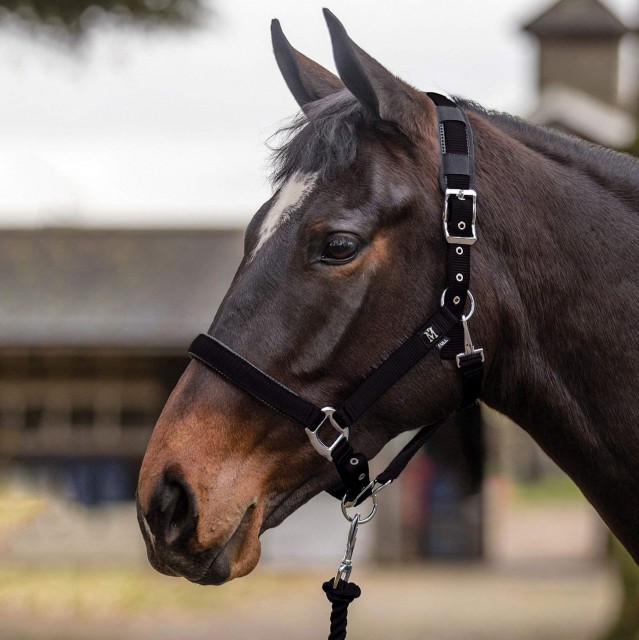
(460, 194)
(325, 449)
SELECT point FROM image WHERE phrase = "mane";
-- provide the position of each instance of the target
(612, 169)
(324, 140)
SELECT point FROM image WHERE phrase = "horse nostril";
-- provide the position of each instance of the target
(173, 514)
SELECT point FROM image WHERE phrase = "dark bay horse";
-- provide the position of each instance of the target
(345, 261)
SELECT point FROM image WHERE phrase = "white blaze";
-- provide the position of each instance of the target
(289, 199)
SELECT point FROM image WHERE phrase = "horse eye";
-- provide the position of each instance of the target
(340, 248)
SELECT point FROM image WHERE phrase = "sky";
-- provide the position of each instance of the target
(170, 129)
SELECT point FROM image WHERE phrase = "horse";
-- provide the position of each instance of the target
(345, 260)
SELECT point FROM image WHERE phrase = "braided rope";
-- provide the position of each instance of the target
(340, 598)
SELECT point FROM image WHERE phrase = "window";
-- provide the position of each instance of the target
(82, 416)
(79, 417)
(33, 417)
(135, 417)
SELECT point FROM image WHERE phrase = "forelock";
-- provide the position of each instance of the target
(323, 141)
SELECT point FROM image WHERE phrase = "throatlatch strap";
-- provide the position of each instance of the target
(471, 368)
(395, 466)
(399, 462)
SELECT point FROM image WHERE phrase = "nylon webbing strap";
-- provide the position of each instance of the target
(352, 467)
(456, 179)
(254, 381)
(262, 387)
(396, 366)
(471, 368)
(399, 462)
(395, 466)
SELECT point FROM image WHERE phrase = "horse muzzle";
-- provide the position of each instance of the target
(169, 525)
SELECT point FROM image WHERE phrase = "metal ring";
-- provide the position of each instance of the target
(368, 518)
(470, 297)
(472, 307)
(369, 487)
(381, 486)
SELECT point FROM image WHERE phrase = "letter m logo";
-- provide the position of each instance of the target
(430, 334)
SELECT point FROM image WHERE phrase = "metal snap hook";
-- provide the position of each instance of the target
(346, 565)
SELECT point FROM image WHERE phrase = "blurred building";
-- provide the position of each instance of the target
(95, 326)
(579, 73)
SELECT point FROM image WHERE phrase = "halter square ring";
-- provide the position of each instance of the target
(313, 435)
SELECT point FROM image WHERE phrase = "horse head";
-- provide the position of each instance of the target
(340, 265)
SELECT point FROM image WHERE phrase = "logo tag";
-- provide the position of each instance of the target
(442, 343)
(430, 334)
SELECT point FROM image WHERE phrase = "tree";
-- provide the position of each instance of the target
(71, 19)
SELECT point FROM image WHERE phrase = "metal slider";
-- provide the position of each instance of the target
(320, 446)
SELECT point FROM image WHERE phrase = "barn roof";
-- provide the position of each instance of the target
(577, 19)
(127, 288)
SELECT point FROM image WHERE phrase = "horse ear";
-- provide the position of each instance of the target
(384, 95)
(307, 80)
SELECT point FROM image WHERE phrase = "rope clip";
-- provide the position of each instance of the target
(346, 565)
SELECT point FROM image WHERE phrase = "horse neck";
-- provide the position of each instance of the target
(558, 261)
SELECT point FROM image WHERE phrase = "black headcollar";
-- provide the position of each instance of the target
(445, 331)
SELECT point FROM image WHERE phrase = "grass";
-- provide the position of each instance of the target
(80, 589)
(87, 591)
(550, 489)
(17, 511)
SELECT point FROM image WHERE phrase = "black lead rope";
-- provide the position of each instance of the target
(340, 597)
(445, 331)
